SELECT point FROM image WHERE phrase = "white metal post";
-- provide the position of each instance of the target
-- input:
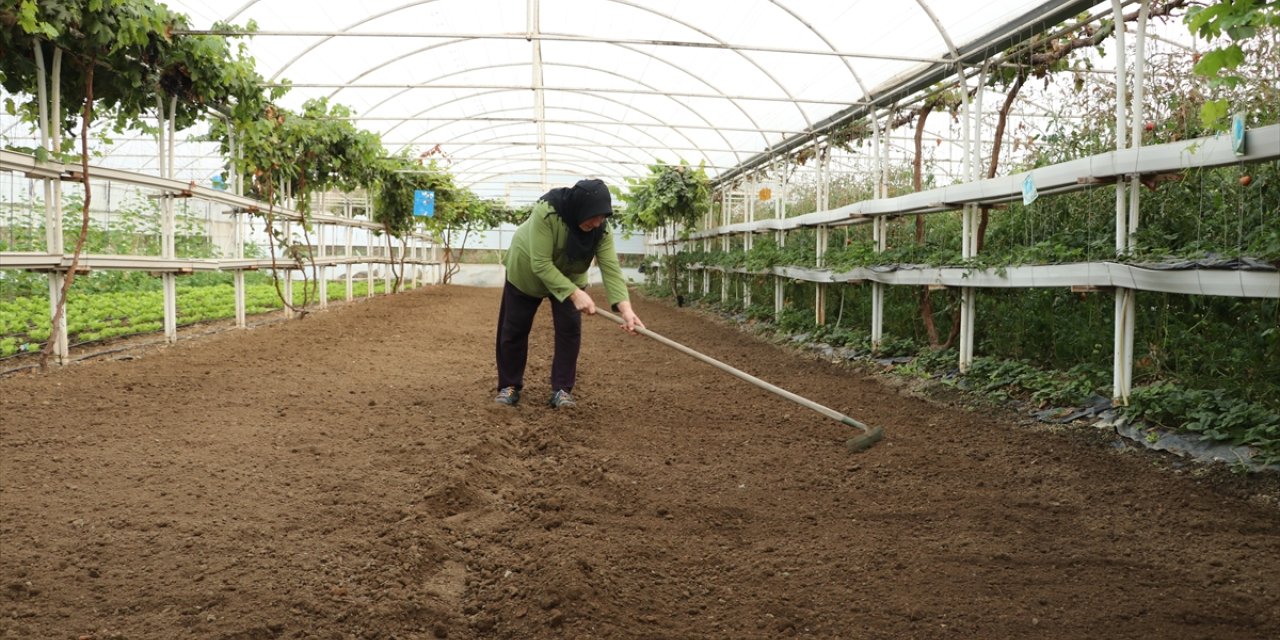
(321, 271)
(391, 261)
(52, 199)
(238, 220)
(972, 125)
(169, 280)
(724, 275)
(288, 271)
(350, 232)
(1125, 299)
(435, 259)
(780, 212)
(242, 321)
(823, 204)
(878, 234)
(778, 283)
(820, 288)
(706, 248)
(749, 199)
(368, 252)
(414, 258)
(1137, 118)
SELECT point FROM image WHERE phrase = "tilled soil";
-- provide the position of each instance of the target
(348, 476)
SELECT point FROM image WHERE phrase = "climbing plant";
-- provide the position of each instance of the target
(671, 197)
(1240, 21)
(289, 156)
(119, 56)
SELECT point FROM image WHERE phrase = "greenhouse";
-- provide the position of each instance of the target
(959, 319)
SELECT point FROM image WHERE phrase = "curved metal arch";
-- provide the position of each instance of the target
(631, 158)
(746, 114)
(315, 45)
(500, 174)
(501, 125)
(558, 135)
(478, 161)
(533, 169)
(695, 112)
(803, 116)
(946, 37)
(482, 180)
(602, 97)
(602, 159)
(633, 5)
(698, 114)
(585, 167)
(848, 65)
(244, 7)
(636, 128)
(334, 93)
(694, 145)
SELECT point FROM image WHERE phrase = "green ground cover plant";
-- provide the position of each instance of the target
(94, 315)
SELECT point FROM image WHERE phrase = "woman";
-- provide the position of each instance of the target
(548, 258)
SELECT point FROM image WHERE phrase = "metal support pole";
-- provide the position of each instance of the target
(415, 255)
(351, 267)
(386, 271)
(724, 275)
(972, 124)
(435, 258)
(52, 197)
(820, 288)
(167, 249)
(320, 271)
(288, 274)
(878, 228)
(368, 252)
(238, 221)
(706, 248)
(878, 234)
(780, 212)
(749, 200)
(1125, 299)
(1137, 119)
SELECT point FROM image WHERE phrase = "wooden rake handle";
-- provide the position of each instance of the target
(857, 444)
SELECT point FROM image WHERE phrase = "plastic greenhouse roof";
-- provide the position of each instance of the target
(522, 94)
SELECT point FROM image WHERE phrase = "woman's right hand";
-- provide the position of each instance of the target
(583, 302)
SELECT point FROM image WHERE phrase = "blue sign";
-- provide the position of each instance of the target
(1237, 133)
(1029, 193)
(424, 203)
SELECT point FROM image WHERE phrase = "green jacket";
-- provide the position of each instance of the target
(537, 264)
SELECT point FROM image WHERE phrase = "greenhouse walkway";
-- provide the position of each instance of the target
(348, 476)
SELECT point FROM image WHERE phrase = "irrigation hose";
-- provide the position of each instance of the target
(857, 444)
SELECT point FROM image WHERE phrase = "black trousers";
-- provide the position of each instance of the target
(515, 320)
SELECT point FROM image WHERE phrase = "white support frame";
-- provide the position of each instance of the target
(168, 265)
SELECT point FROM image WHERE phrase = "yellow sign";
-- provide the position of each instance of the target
(765, 194)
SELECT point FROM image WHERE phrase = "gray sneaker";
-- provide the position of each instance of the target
(562, 400)
(509, 396)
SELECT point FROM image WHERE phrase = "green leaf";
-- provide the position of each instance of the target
(1213, 114)
(1210, 63)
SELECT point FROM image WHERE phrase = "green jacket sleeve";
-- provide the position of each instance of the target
(615, 285)
(542, 259)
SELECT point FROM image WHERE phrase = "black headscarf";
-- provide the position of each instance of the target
(575, 205)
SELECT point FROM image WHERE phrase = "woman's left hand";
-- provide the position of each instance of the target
(630, 321)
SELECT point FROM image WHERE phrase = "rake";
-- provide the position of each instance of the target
(856, 444)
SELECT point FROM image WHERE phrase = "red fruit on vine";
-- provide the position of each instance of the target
(1151, 126)
(1246, 180)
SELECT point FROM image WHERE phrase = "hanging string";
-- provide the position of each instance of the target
(1244, 193)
